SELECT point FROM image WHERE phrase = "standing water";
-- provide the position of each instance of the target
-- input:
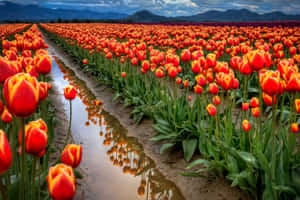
(115, 164)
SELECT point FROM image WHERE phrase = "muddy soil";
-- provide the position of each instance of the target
(170, 164)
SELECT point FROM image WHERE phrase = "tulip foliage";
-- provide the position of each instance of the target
(27, 120)
(229, 93)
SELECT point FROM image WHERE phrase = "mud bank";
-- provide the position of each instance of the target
(170, 164)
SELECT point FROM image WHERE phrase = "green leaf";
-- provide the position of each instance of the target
(198, 162)
(189, 147)
(165, 147)
(247, 157)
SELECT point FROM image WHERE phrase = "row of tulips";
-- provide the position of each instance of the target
(28, 117)
(242, 115)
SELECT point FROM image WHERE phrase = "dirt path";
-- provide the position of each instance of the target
(171, 164)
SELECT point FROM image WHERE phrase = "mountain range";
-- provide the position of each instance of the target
(12, 11)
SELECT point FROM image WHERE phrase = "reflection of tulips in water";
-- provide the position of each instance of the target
(122, 152)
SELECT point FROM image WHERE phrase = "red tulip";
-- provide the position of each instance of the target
(216, 100)
(198, 89)
(72, 155)
(70, 92)
(43, 64)
(36, 138)
(21, 93)
(246, 125)
(7, 69)
(123, 74)
(268, 99)
(61, 182)
(245, 106)
(297, 105)
(5, 153)
(211, 109)
(270, 82)
(85, 61)
(6, 116)
(255, 112)
(213, 88)
(43, 90)
(254, 102)
(295, 128)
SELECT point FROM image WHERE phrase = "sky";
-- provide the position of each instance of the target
(169, 7)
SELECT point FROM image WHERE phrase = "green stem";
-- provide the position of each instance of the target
(70, 123)
(39, 184)
(33, 178)
(23, 161)
(273, 138)
(2, 188)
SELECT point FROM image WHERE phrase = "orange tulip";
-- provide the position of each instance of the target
(70, 92)
(211, 109)
(61, 182)
(72, 155)
(5, 153)
(36, 138)
(21, 93)
(246, 125)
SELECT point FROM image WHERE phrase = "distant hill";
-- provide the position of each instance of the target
(12, 11)
(242, 15)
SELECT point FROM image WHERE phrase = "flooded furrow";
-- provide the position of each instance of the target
(115, 164)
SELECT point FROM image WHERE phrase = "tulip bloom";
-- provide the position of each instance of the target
(5, 153)
(268, 99)
(216, 100)
(123, 74)
(72, 155)
(6, 116)
(159, 73)
(245, 106)
(61, 182)
(270, 82)
(21, 93)
(198, 89)
(7, 69)
(85, 61)
(36, 138)
(43, 64)
(255, 112)
(43, 90)
(246, 125)
(213, 88)
(70, 92)
(295, 128)
(98, 103)
(254, 102)
(297, 105)
(211, 109)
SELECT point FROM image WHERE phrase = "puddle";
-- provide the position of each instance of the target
(116, 166)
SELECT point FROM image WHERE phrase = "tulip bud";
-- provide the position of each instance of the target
(159, 73)
(43, 64)
(43, 90)
(72, 155)
(21, 94)
(211, 109)
(5, 153)
(61, 182)
(186, 83)
(211, 60)
(245, 106)
(295, 128)
(213, 88)
(172, 72)
(268, 99)
(216, 100)
(198, 89)
(254, 102)
(6, 116)
(36, 138)
(255, 112)
(297, 105)
(123, 74)
(85, 61)
(185, 55)
(246, 125)
(70, 92)
(178, 80)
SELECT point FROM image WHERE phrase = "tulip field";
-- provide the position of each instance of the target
(227, 97)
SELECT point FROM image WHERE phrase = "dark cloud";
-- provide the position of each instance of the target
(170, 7)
